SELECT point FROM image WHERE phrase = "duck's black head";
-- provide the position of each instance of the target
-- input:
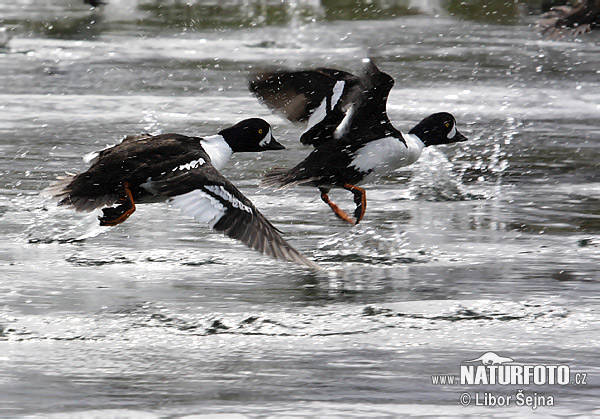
(252, 134)
(438, 128)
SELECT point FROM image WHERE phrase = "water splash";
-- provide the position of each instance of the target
(4, 39)
(151, 124)
(53, 224)
(148, 321)
(499, 158)
(370, 245)
(434, 180)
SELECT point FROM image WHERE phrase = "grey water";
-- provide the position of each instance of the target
(488, 245)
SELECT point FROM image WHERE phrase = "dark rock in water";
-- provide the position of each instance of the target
(373, 311)
(94, 3)
(216, 326)
(586, 242)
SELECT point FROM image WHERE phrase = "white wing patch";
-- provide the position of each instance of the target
(452, 132)
(223, 193)
(200, 205)
(191, 165)
(338, 89)
(267, 139)
(343, 127)
(318, 114)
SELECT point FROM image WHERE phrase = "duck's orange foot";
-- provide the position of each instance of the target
(360, 199)
(114, 216)
(340, 213)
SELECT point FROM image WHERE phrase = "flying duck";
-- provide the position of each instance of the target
(184, 171)
(348, 125)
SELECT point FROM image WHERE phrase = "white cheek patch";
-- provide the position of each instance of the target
(220, 191)
(267, 139)
(452, 132)
(191, 165)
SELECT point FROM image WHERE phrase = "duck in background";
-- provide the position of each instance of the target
(565, 20)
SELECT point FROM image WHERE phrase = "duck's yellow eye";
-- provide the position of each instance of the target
(260, 131)
(447, 124)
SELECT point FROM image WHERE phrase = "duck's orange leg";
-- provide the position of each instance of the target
(117, 215)
(341, 214)
(360, 199)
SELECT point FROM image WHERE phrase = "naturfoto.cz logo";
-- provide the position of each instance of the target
(493, 369)
(498, 370)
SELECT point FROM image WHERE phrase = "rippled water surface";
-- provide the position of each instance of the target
(489, 245)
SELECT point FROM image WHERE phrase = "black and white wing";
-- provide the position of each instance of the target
(203, 193)
(318, 97)
(367, 118)
(334, 103)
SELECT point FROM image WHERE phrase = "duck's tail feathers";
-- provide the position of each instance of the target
(277, 177)
(60, 188)
(282, 178)
(63, 192)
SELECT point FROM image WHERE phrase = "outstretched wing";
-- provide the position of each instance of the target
(334, 103)
(318, 97)
(367, 118)
(215, 200)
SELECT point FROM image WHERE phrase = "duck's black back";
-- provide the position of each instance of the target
(134, 161)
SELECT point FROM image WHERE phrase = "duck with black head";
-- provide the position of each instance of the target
(354, 140)
(184, 171)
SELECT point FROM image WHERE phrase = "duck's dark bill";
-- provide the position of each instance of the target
(273, 145)
(459, 137)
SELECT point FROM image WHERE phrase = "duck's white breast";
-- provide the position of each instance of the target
(382, 156)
